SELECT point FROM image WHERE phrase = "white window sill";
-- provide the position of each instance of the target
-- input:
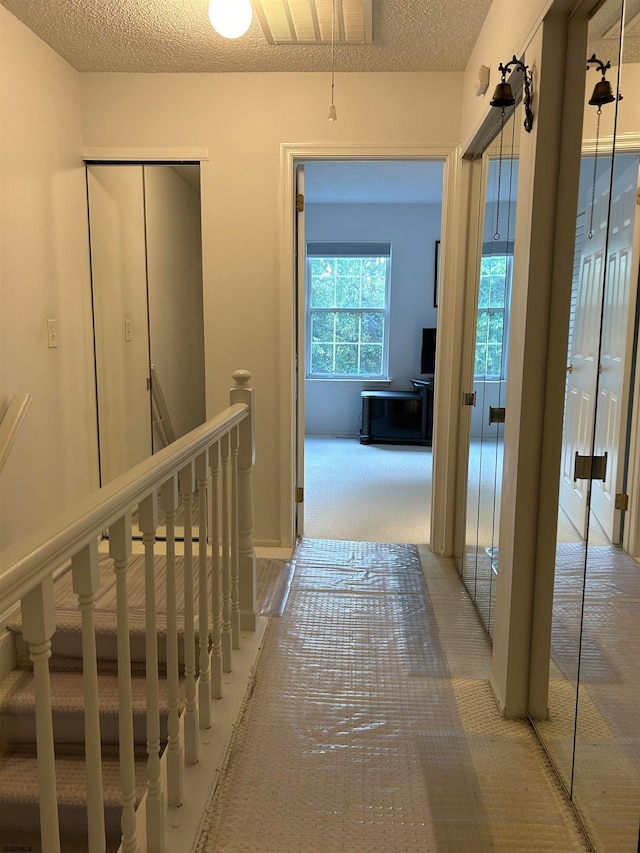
(359, 379)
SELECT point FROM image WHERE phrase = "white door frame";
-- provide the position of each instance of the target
(450, 316)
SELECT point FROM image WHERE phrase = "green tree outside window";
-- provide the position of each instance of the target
(348, 316)
(493, 305)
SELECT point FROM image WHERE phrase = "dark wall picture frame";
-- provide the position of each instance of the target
(436, 276)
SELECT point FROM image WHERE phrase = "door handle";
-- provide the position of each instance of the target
(589, 467)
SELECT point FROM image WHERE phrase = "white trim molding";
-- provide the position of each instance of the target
(146, 155)
(447, 385)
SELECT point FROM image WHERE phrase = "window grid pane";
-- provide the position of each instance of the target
(348, 315)
(493, 295)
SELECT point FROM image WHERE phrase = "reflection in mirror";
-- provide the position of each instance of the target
(591, 733)
(606, 787)
(146, 265)
(492, 301)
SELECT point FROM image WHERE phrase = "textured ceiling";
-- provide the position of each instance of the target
(604, 32)
(175, 36)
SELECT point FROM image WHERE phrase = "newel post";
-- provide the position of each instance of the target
(242, 392)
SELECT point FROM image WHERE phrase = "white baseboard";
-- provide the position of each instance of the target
(333, 434)
(274, 553)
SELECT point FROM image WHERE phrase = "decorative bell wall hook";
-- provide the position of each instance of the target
(602, 93)
(503, 95)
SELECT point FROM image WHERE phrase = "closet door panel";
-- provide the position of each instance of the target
(174, 264)
(119, 281)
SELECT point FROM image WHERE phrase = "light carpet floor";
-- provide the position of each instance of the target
(371, 725)
(370, 493)
(382, 493)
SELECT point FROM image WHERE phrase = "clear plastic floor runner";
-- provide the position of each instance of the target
(372, 727)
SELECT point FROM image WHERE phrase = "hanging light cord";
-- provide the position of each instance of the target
(333, 47)
(595, 175)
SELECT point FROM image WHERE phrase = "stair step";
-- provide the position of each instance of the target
(17, 708)
(20, 798)
(66, 643)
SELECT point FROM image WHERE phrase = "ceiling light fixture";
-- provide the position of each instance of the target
(230, 18)
(333, 115)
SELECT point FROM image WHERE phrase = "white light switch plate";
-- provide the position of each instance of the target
(52, 333)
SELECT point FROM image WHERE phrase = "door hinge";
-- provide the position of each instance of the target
(589, 467)
(497, 414)
(148, 383)
(468, 398)
(299, 494)
(622, 502)
(299, 202)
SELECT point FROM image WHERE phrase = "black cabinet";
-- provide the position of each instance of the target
(398, 417)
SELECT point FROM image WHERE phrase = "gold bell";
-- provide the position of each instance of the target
(503, 96)
(602, 94)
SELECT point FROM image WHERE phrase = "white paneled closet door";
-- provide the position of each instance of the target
(119, 275)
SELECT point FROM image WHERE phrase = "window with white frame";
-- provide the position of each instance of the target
(494, 297)
(348, 310)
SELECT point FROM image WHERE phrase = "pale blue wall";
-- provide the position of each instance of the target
(333, 407)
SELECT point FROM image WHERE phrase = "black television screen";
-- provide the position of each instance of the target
(428, 357)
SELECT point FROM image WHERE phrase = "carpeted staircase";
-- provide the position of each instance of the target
(19, 809)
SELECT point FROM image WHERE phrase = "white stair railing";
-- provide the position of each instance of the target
(11, 423)
(26, 575)
(162, 418)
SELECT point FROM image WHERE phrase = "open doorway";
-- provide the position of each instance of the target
(368, 309)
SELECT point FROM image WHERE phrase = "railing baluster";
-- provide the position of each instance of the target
(226, 567)
(120, 551)
(204, 683)
(169, 498)
(38, 626)
(243, 393)
(228, 529)
(148, 522)
(191, 741)
(235, 589)
(216, 579)
(86, 582)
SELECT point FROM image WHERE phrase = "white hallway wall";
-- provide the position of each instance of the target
(334, 406)
(242, 119)
(44, 273)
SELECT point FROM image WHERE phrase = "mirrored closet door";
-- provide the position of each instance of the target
(146, 261)
(591, 733)
(491, 302)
